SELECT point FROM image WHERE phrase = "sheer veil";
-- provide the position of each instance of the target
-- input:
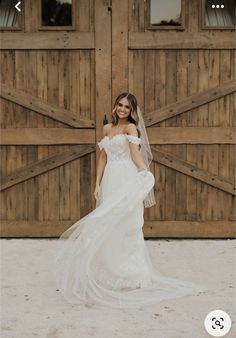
(147, 157)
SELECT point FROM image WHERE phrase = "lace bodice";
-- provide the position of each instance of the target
(117, 147)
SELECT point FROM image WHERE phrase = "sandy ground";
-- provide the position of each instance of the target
(32, 307)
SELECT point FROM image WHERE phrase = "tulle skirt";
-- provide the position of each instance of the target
(103, 259)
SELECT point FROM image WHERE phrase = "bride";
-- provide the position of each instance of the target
(103, 258)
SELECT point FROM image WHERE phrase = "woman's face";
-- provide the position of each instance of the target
(123, 108)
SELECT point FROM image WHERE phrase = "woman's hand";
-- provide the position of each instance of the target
(142, 168)
(96, 191)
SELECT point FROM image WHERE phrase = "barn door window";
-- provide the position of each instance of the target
(165, 14)
(218, 14)
(10, 18)
(57, 14)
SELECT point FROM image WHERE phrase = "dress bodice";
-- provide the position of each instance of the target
(117, 147)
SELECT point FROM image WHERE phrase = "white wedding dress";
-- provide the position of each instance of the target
(103, 258)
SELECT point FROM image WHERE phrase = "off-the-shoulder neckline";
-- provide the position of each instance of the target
(110, 138)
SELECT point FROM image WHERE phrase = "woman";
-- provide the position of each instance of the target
(103, 259)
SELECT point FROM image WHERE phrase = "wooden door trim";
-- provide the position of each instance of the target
(50, 40)
(187, 168)
(191, 102)
(164, 158)
(151, 229)
(192, 135)
(162, 135)
(103, 62)
(46, 136)
(39, 106)
(120, 9)
(182, 40)
(190, 229)
(42, 166)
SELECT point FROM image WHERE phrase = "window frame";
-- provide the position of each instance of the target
(57, 28)
(205, 27)
(151, 27)
(21, 21)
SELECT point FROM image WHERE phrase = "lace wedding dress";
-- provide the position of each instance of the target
(103, 258)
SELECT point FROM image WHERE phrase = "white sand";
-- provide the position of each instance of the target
(31, 306)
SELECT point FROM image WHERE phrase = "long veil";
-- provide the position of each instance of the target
(147, 157)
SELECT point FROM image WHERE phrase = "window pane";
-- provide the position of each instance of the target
(221, 13)
(9, 16)
(56, 12)
(166, 12)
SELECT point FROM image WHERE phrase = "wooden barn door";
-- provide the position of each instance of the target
(54, 95)
(184, 81)
(49, 96)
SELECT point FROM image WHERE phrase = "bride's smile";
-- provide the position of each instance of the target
(123, 108)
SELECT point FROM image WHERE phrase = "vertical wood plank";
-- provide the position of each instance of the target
(43, 201)
(149, 90)
(84, 79)
(103, 66)
(193, 16)
(119, 47)
(202, 161)
(170, 174)
(139, 78)
(131, 71)
(74, 166)
(3, 194)
(103, 62)
(134, 15)
(213, 114)
(83, 15)
(11, 155)
(92, 87)
(32, 121)
(192, 149)
(64, 102)
(224, 199)
(232, 148)
(160, 81)
(53, 175)
(21, 121)
(85, 185)
(75, 190)
(160, 99)
(181, 150)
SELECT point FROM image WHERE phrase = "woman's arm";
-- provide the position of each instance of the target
(101, 165)
(134, 148)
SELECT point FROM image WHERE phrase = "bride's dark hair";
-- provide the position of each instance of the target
(133, 116)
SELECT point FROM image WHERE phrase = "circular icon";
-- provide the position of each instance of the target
(217, 323)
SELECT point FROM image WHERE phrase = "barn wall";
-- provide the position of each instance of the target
(63, 79)
(165, 68)
(56, 89)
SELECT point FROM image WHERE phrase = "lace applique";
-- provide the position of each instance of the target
(119, 283)
(117, 147)
(102, 144)
(134, 139)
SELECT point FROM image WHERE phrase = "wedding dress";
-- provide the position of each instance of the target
(103, 258)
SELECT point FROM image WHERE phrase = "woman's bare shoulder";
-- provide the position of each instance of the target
(131, 129)
(106, 128)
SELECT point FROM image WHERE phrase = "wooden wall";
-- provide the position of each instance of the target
(185, 84)
(57, 86)
(48, 125)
